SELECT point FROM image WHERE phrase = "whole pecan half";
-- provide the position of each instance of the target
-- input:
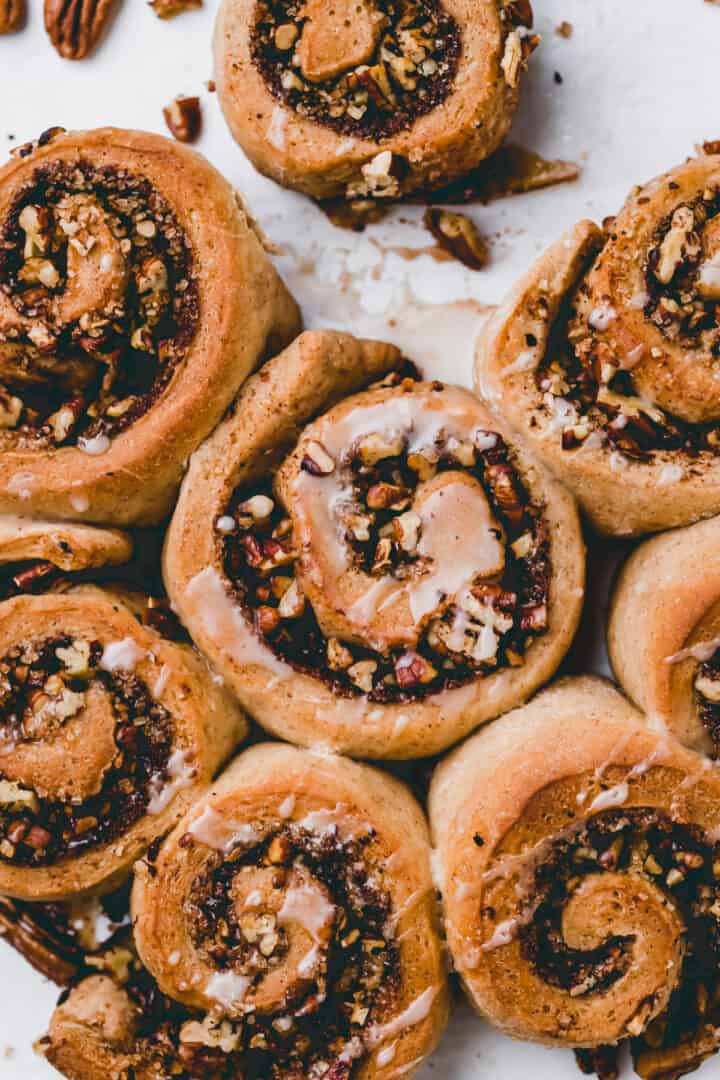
(76, 26)
(12, 15)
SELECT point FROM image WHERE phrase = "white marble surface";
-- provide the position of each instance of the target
(640, 80)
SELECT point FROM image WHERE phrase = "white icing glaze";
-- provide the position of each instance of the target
(223, 621)
(670, 474)
(180, 774)
(99, 444)
(307, 906)
(503, 935)
(225, 524)
(287, 806)
(219, 833)
(524, 361)
(309, 963)
(702, 651)
(227, 988)
(21, 484)
(386, 1055)
(416, 1012)
(122, 655)
(162, 681)
(614, 796)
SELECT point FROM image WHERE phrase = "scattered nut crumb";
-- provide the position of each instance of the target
(168, 9)
(210, 86)
(457, 234)
(184, 118)
(712, 146)
(564, 30)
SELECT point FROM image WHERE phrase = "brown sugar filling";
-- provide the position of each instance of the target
(98, 305)
(408, 59)
(492, 630)
(42, 686)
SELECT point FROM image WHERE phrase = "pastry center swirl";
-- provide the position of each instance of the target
(678, 860)
(98, 305)
(400, 556)
(366, 67)
(83, 750)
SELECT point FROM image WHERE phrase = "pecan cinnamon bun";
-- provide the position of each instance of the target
(580, 861)
(373, 98)
(389, 579)
(109, 726)
(285, 929)
(664, 632)
(135, 297)
(605, 359)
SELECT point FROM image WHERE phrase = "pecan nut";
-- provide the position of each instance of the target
(184, 118)
(457, 234)
(75, 26)
(12, 15)
(168, 9)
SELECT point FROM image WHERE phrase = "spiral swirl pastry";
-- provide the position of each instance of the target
(135, 298)
(582, 891)
(371, 98)
(287, 930)
(605, 358)
(386, 581)
(108, 728)
(664, 632)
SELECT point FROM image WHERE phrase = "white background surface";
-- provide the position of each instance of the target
(640, 88)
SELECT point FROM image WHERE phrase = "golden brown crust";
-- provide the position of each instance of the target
(458, 133)
(313, 373)
(321, 854)
(96, 708)
(244, 311)
(603, 357)
(664, 630)
(520, 795)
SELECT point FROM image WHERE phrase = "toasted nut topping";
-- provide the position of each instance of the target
(292, 604)
(259, 507)
(338, 657)
(12, 794)
(286, 36)
(422, 465)
(362, 674)
(373, 448)
(411, 668)
(317, 461)
(676, 244)
(381, 496)
(511, 62)
(407, 530)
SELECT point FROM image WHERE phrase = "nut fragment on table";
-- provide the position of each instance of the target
(76, 26)
(168, 9)
(457, 234)
(184, 118)
(12, 15)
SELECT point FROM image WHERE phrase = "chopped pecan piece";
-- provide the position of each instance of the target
(457, 234)
(184, 118)
(168, 9)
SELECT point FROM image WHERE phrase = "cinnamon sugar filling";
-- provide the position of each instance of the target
(98, 305)
(388, 526)
(587, 386)
(44, 685)
(678, 858)
(399, 61)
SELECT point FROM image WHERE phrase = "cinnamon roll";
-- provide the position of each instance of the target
(109, 729)
(581, 865)
(605, 358)
(375, 98)
(286, 928)
(135, 297)
(664, 632)
(388, 580)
